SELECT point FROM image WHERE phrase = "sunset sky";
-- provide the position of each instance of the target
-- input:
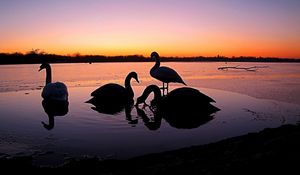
(170, 27)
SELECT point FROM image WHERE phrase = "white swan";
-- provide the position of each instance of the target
(53, 91)
(164, 74)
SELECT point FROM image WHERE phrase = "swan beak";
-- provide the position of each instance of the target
(137, 80)
(137, 104)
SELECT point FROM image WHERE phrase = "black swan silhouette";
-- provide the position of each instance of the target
(112, 98)
(181, 108)
(164, 74)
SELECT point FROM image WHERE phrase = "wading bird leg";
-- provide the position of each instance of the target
(167, 88)
(163, 89)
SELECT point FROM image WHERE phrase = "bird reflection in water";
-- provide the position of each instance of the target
(54, 108)
(183, 108)
(113, 109)
(181, 118)
(152, 123)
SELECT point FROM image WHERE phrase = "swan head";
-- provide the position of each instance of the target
(140, 100)
(149, 89)
(134, 75)
(154, 55)
(44, 66)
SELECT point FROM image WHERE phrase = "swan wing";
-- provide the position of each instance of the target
(205, 97)
(108, 89)
(187, 94)
(199, 96)
(55, 91)
(166, 75)
(111, 93)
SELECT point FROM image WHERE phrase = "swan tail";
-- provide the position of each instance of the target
(214, 109)
(181, 81)
(90, 100)
(94, 101)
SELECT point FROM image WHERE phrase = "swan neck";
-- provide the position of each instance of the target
(154, 89)
(128, 87)
(157, 94)
(48, 75)
(157, 64)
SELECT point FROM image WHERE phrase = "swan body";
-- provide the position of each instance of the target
(184, 97)
(53, 91)
(185, 94)
(114, 94)
(182, 108)
(164, 74)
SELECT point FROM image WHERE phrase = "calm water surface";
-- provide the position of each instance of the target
(249, 101)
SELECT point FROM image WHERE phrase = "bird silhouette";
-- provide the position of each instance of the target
(178, 111)
(184, 96)
(164, 74)
(53, 91)
(182, 108)
(112, 98)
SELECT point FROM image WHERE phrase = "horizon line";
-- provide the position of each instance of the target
(78, 54)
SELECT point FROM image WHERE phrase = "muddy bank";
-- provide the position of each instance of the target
(269, 151)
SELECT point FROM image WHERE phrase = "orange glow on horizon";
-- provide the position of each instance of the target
(181, 28)
(171, 51)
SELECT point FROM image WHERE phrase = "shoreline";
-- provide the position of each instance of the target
(270, 150)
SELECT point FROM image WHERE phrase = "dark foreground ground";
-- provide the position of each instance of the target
(269, 151)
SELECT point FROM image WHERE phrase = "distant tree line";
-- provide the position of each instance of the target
(36, 56)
